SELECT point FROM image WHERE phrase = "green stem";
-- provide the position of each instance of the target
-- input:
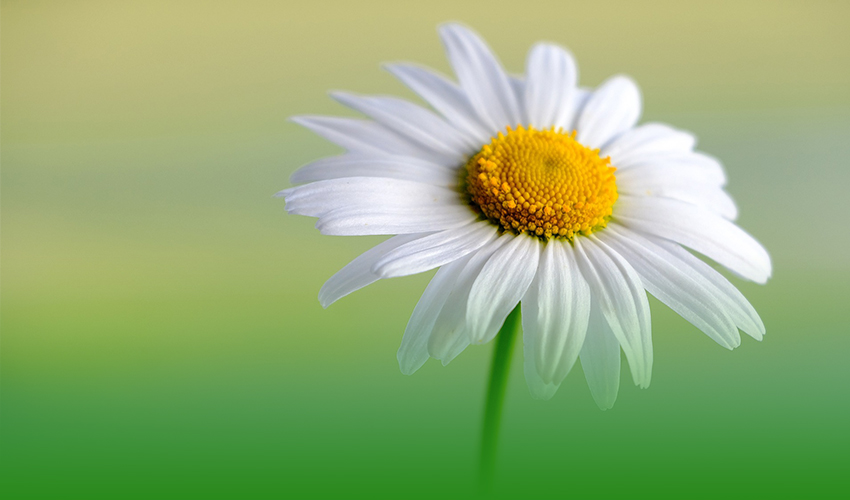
(496, 395)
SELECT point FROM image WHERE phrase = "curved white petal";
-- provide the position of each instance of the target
(449, 336)
(481, 76)
(699, 229)
(414, 344)
(683, 290)
(412, 121)
(318, 198)
(555, 313)
(372, 220)
(500, 286)
(687, 167)
(373, 205)
(358, 273)
(707, 195)
(600, 360)
(734, 302)
(646, 142)
(444, 96)
(536, 386)
(404, 168)
(668, 172)
(550, 87)
(621, 300)
(362, 136)
(435, 250)
(612, 109)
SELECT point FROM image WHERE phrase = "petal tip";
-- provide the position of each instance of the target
(339, 95)
(451, 26)
(605, 405)
(325, 301)
(540, 390)
(406, 367)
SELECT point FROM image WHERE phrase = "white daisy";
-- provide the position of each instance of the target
(534, 191)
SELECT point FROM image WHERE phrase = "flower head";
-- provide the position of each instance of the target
(535, 191)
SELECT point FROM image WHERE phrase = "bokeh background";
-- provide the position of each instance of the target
(161, 335)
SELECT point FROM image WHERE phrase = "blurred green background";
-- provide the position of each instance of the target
(161, 335)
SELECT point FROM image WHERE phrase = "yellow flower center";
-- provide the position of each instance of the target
(542, 182)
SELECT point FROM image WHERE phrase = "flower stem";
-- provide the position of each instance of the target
(496, 395)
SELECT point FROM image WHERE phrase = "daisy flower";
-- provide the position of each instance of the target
(532, 191)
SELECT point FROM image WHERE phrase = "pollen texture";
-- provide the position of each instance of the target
(542, 182)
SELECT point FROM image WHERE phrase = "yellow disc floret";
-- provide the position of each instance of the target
(543, 183)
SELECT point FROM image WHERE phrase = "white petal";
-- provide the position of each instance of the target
(414, 344)
(621, 300)
(699, 229)
(450, 336)
(555, 312)
(370, 220)
(612, 109)
(734, 302)
(649, 141)
(318, 198)
(500, 286)
(709, 196)
(358, 273)
(536, 386)
(682, 289)
(687, 167)
(481, 76)
(582, 96)
(373, 205)
(361, 136)
(551, 87)
(600, 360)
(412, 121)
(435, 250)
(444, 96)
(518, 86)
(363, 165)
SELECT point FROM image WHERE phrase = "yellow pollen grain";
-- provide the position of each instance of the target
(543, 183)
